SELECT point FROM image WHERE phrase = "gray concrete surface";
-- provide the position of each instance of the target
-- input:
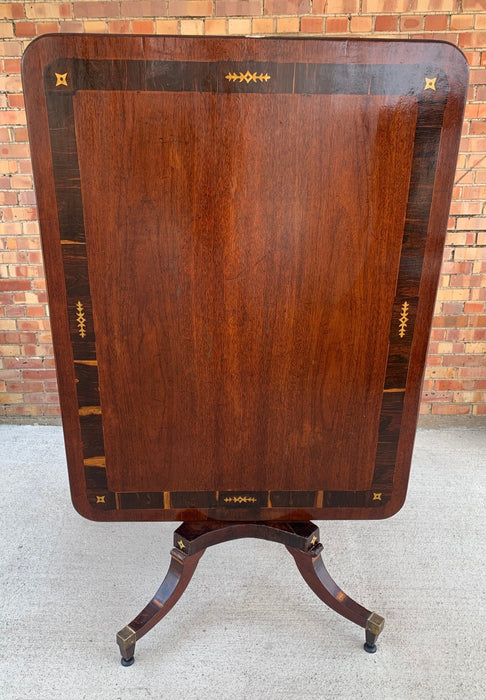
(247, 628)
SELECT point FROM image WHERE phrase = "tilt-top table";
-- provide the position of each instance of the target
(242, 240)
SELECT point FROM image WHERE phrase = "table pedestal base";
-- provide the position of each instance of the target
(191, 540)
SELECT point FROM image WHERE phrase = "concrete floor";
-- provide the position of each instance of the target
(247, 628)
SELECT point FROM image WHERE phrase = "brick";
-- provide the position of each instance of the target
(412, 23)
(192, 26)
(12, 65)
(239, 26)
(119, 26)
(361, 24)
(476, 293)
(335, 7)
(241, 8)
(336, 25)
(480, 21)
(190, 8)
(451, 410)
(143, 26)
(472, 372)
(477, 76)
(166, 26)
(473, 5)
(436, 23)
(95, 27)
(20, 213)
(472, 57)
(286, 7)
(434, 5)
(8, 198)
(11, 83)
(35, 311)
(39, 374)
(143, 8)
(15, 150)
(472, 223)
(437, 334)
(20, 134)
(287, 25)
(479, 321)
(454, 238)
(266, 25)
(16, 102)
(311, 25)
(21, 363)
(468, 396)
(215, 27)
(96, 9)
(457, 268)
(23, 411)
(71, 27)
(477, 126)
(12, 118)
(466, 334)
(453, 294)
(467, 281)
(10, 48)
(47, 10)
(473, 39)
(11, 10)
(11, 398)
(474, 348)
(386, 23)
(473, 307)
(25, 387)
(6, 30)
(382, 6)
(440, 372)
(453, 385)
(479, 409)
(21, 182)
(436, 396)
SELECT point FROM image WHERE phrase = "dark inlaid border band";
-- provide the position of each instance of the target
(64, 77)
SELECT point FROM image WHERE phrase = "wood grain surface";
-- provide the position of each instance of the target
(242, 241)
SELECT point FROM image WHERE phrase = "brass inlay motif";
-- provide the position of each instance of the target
(181, 544)
(81, 319)
(341, 596)
(61, 79)
(430, 83)
(377, 496)
(248, 77)
(240, 499)
(313, 540)
(402, 327)
(92, 363)
(90, 411)
(393, 391)
(100, 499)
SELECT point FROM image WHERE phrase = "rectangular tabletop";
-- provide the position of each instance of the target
(242, 240)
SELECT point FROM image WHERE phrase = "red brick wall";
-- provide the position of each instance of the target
(456, 371)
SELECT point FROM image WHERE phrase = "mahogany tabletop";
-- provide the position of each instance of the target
(242, 240)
